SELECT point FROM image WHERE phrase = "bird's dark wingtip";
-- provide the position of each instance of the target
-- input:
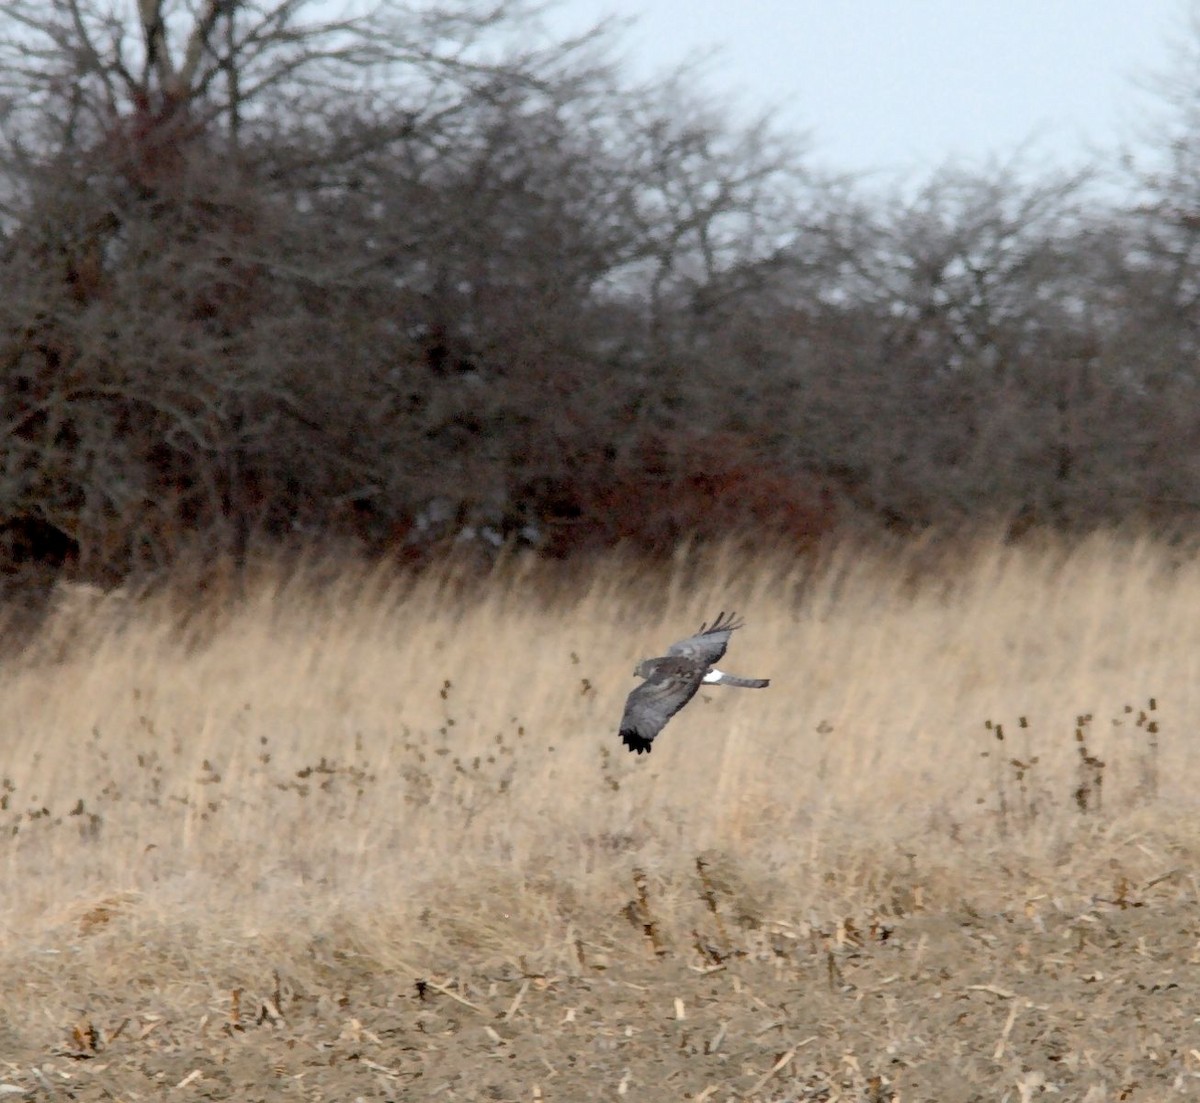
(723, 623)
(635, 742)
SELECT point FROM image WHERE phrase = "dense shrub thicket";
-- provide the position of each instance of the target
(427, 275)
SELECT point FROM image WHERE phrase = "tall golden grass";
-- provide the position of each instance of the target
(438, 759)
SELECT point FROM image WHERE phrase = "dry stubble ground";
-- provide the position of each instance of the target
(356, 837)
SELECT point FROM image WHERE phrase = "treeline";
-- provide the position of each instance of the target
(428, 277)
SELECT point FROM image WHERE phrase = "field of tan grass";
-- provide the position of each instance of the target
(355, 835)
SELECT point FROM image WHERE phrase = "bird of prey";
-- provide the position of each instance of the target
(672, 681)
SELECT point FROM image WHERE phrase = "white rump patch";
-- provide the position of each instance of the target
(714, 675)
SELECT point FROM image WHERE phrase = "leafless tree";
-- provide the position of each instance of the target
(422, 275)
(386, 272)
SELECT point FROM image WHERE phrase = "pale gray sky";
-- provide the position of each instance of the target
(903, 86)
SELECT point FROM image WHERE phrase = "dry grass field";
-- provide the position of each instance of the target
(356, 836)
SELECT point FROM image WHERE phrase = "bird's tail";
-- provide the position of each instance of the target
(742, 683)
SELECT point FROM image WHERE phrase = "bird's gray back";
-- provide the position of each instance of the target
(671, 666)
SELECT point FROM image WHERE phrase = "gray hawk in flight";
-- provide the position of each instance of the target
(672, 681)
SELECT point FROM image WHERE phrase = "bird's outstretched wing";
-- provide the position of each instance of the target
(709, 644)
(651, 705)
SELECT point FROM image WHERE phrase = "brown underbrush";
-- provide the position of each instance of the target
(363, 835)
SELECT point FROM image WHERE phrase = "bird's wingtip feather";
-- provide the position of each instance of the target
(636, 743)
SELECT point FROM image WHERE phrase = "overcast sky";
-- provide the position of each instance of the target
(903, 86)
